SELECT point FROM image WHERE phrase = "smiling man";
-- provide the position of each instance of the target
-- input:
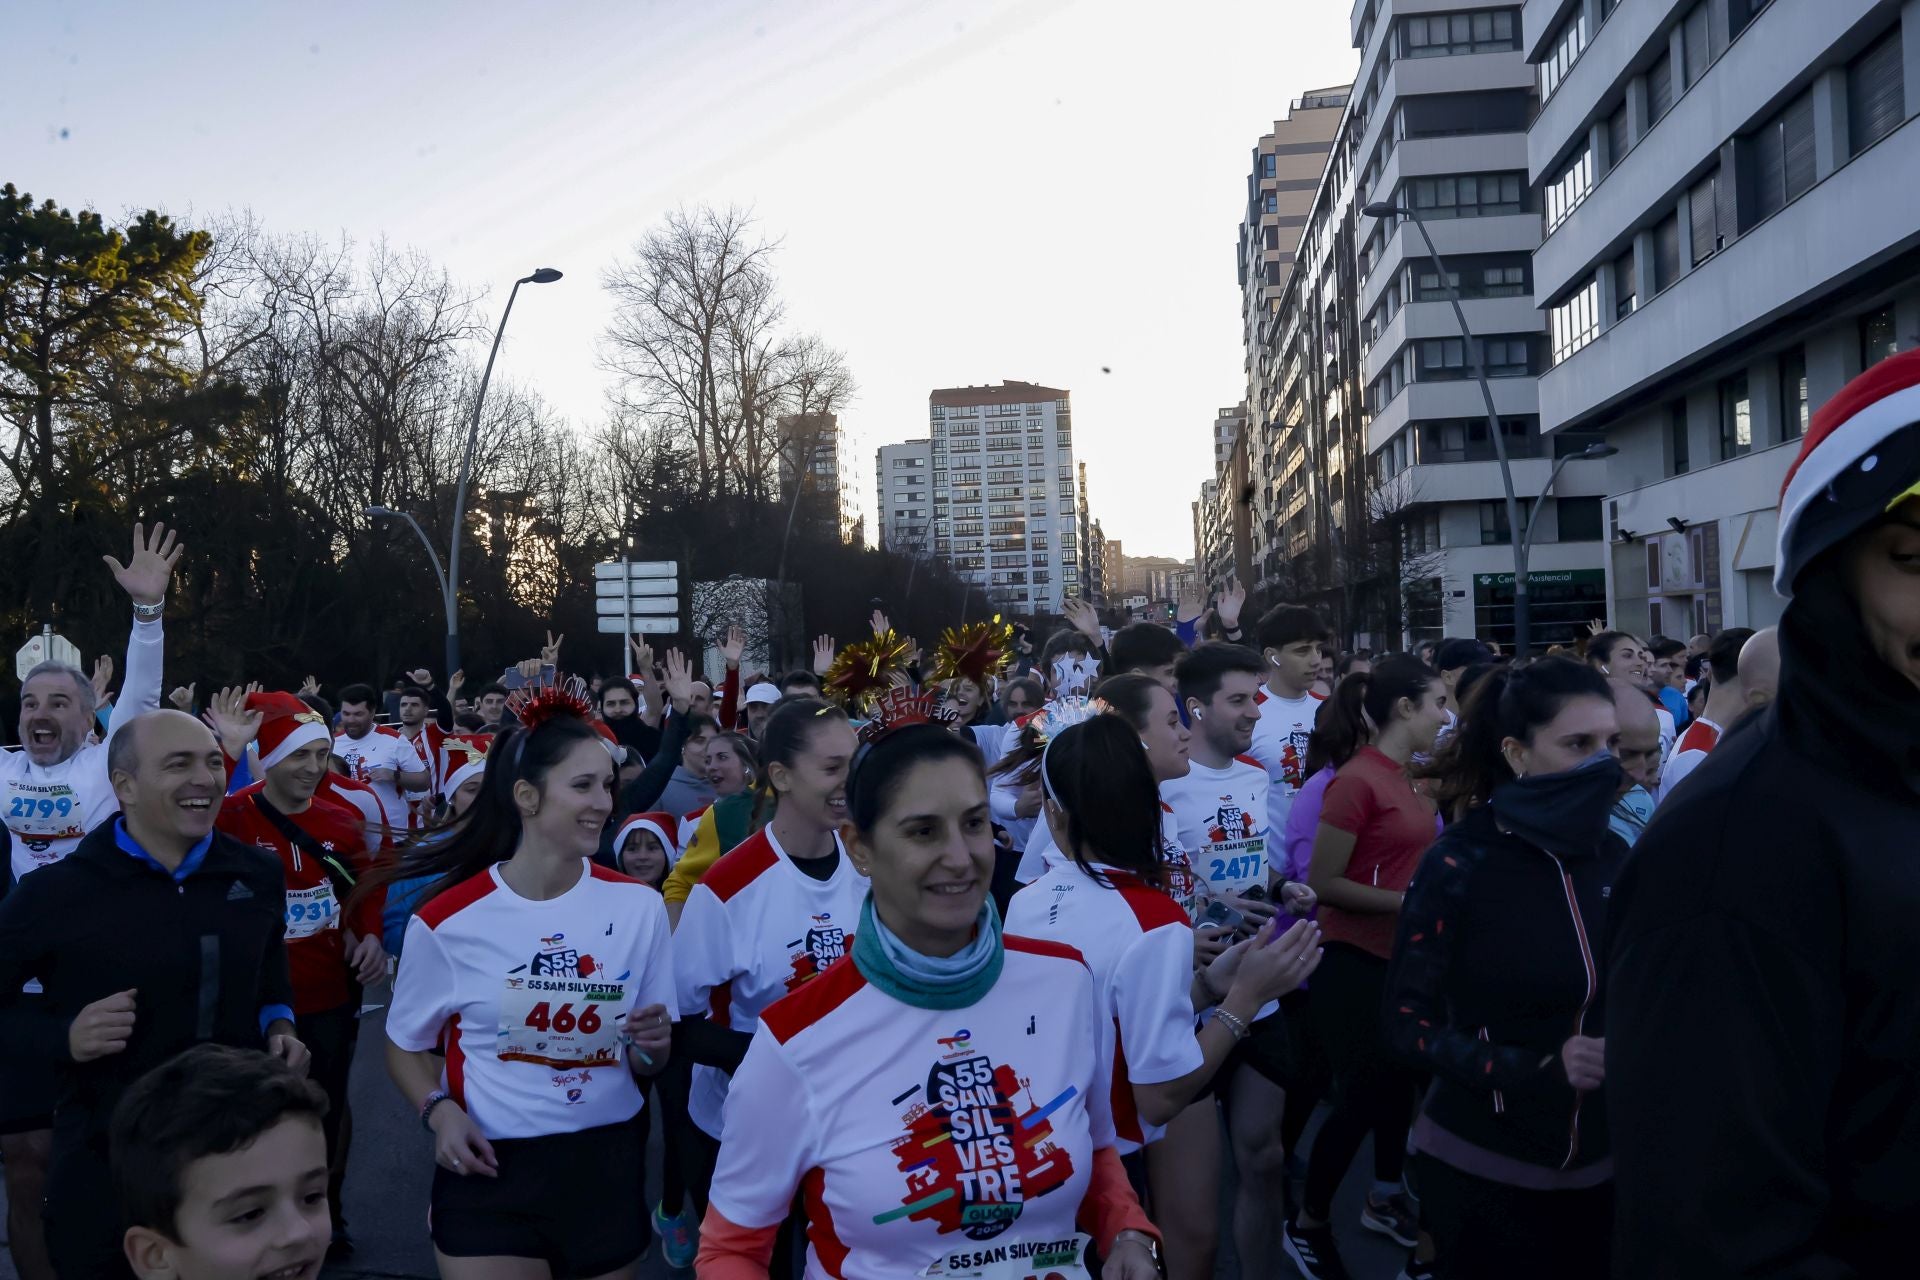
(1763, 1022)
(155, 934)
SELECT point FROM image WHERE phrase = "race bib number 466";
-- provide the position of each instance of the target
(578, 1026)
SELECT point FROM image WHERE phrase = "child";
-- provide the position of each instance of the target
(221, 1169)
(644, 847)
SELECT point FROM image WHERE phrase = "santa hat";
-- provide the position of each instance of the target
(660, 824)
(1861, 457)
(286, 725)
(470, 753)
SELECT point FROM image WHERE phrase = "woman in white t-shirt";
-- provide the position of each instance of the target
(937, 1098)
(545, 981)
(1110, 901)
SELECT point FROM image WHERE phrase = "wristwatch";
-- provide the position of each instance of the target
(149, 612)
(1142, 1238)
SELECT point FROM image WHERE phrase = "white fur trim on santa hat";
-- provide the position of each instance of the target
(302, 733)
(1843, 447)
(461, 776)
(645, 822)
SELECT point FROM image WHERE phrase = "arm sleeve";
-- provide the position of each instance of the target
(1002, 796)
(422, 991)
(1111, 1206)
(730, 700)
(1435, 912)
(36, 1032)
(766, 1141)
(642, 793)
(1188, 631)
(1347, 805)
(442, 710)
(729, 1252)
(1152, 991)
(140, 685)
(1303, 819)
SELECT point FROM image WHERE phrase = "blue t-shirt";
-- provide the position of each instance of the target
(1676, 703)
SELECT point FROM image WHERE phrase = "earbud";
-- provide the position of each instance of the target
(1199, 713)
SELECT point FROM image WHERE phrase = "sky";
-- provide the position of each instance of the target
(963, 191)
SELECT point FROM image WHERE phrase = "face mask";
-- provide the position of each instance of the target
(1563, 813)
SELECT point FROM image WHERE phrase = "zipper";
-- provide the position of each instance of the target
(1593, 983)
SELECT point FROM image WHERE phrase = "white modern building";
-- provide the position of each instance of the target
(903, 480)
(1005, 509)
(1733, 232)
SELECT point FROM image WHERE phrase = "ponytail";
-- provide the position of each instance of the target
(1361, 706)
(1097, 772)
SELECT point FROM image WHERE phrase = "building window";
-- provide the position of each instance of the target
(1794, 408)
(1618, 143)
(1709, 232)
(1679, 454)
(1623, 285)
(1659, 88)
(1482, 195)
(1877, 340)
(1736, 417)
(1574, 321)
(1579, 519)
(1876, 93)
(1423, 531)
(1271, 204)
(1443, 115)
(1267, 166)
(1438, 35)
(1666, 253)
(1781, 152)
(1564, 48)
(1567, 188)
(1699, 46)
(1467, 440)
(1494, 529)
(1499, 276)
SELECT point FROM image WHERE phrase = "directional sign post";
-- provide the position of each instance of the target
(637, 597)
(45, 647)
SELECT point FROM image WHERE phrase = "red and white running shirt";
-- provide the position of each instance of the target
(1700, 737)
(755, 928)
(528, 997)
(1138, 944)
(1280, 745)
(918, 1134)
(382, 748)
(1220, 818)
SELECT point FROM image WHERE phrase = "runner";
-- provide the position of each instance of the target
(1496, 986)
(1639, 752)
(1726, 703)
(386, 762)
(938, 1100)
(57, 790)
(1291, 638)
(547, 981)
(1373, 828)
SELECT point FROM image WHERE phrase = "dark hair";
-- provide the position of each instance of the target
(1456, 652)
(319, 704)
(698, 722)
(799, 677)
(1469, 680)
(1370, 696)
(1286, 624)
(211, 1100)
(1097, 773)
(1139, 646)
(1201, 673)
(489, 831)
(784, 739)
(1600, 648)
(1695, 666)
(616, 682)
(882, 768)
(1344, 663)
(1511, 702)
(1327, 745)
(360, 693)
(469, 721)
(415, 691)
(1723, 652)
(493, 686)
(1036, 693)
(1062, 641)
(1131, 695)
(1666, 647)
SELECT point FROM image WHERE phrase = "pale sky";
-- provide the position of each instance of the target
(966, 191)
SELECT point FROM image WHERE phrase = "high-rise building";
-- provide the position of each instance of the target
(811, 447)
(1006, 511)
(1219, 522)
(1731, 234)
(903, 480)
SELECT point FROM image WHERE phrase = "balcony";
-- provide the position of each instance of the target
(1455, 399)
(1417, 320)
(1505, 233)
(1476, 481)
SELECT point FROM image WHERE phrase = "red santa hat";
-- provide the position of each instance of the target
(286, 725)
(1860, 458)
(467, 754)
(661, 825)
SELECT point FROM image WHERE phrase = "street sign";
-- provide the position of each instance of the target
(639, 626)
(620, 606)
(638, 588)
(45, 647)
(637, 569)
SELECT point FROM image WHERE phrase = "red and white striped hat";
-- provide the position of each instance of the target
(286, 725)
(1860, 458)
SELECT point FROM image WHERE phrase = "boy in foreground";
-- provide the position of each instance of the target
(221, 1169)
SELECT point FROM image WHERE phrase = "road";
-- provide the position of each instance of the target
(389, 1171)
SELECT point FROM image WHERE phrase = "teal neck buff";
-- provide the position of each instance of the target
(929, 982)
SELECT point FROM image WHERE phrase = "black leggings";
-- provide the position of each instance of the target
(1372, 1092)
(330, 1037)
(1486, 1230)
(701, 1153)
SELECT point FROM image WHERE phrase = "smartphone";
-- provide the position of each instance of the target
(1255, 892)
(1221, 916)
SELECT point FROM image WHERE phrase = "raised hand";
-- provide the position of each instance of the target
(310, 687)
(679, 681)
(227, 715)
(1082, 618)
(182, 697)
(531, 669)
(422, 677)
(454, 683)
(550, 651)
(1231, 602)
(642, 657)
(823, 650)
(102, 678)
(879, 622)
(734, 646)
(1192, 603)
(150, 567)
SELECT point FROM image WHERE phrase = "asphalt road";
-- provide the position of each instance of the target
(391, 1166)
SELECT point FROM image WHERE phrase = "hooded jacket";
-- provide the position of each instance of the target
(1763, 1066)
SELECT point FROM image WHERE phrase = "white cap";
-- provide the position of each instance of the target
(764, 693)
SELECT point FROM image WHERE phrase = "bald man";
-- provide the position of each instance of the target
(1639, 760)
(155, 934)
(1760, 669)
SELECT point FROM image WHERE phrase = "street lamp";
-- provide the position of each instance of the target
(545, 275)
(1591, 453)
(439, 576)
(1388, 209)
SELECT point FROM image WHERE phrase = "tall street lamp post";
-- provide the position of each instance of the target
(439, 576)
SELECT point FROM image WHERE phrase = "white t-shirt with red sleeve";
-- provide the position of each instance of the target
(1280, 745)
(528, 997)
(1221, 818)
(1139, 945)
(755, 928)
(917, 1135)
(381, 750)
(1700, 737)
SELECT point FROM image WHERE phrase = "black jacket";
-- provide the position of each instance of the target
(1497, 963)
(1763, 1062)
(206, 954)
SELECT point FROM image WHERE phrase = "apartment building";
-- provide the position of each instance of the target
(1005, 508)
(812, 447)
(1732, 234)
(903, 479)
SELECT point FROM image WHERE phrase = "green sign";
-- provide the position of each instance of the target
(1546, 578)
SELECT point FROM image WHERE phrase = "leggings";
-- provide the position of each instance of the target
(1486, 1230)
(1372, 1092)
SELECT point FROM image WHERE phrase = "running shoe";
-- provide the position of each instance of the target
(1392, 1217)
(679, 1237)
(1313, 1253)
(1417, 1270)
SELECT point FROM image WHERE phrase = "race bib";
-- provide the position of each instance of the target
(309, 911)
(43, 810)
(1015, 1260)
(1234, 866)
(563, 1023)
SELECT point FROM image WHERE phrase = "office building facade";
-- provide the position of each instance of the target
(903, 479)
